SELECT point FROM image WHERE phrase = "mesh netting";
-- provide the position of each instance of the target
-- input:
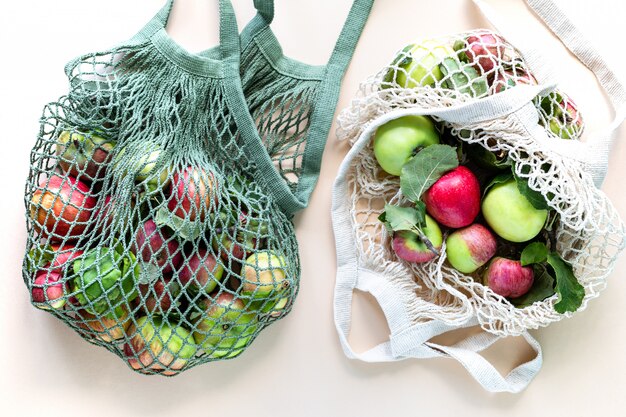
(440, 73)
(282, 106)
(148, 232)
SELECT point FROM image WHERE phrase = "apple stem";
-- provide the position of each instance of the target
(426, 241)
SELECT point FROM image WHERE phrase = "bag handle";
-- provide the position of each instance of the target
(412, 340)
(571, 37)
(324, 112)
(229, 32)
(407, 339)
(265, 8)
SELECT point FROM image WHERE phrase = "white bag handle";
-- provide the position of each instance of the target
(599, 144)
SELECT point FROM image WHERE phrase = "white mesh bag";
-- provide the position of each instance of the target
(504, 101)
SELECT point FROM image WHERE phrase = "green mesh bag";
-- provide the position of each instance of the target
(163, 185)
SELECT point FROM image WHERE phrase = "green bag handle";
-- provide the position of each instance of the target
(325, 107)
(265, 9)
(229, 33)
(324, 111)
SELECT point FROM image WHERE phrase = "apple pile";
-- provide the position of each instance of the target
(180, 267)
(476, 65)
(496, 228)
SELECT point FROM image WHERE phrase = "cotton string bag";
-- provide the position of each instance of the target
(421, 301)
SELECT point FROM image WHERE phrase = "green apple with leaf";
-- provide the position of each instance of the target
(398, 140)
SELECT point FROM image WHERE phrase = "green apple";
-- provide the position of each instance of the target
(265, 281)
(225, 327)
(422, 69)
(470, 248)
(398, 140)
(154, 345)
(84, 155)
(510, 214)
(146, 167)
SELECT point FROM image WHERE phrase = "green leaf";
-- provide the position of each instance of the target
(398, 218)
(535, 198)
(486, 158)
(543, 287)
(535, 253)
(570, 292)
(184, 228)
(498, 179)
(464, 79)
(425, 168)
(403, 58)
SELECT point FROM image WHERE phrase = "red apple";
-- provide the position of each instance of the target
(505, 79)
(62, 207)
(408, 246)
(64, 254)
(485, 51)
(508, 277)
(470, 248)
(48, 290)
(201, 272)
(153, 245)
(454, 200)
(111, 208)
(193, 193)
(158, 297)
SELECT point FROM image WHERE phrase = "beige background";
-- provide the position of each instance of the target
(296, 367)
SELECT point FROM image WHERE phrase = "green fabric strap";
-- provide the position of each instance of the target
(327, 101)
(265, 9)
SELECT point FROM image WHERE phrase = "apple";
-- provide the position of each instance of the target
(454, 200)
(224, 327)
(505, 79)
(194, 193)
(563, 117)
(508, 278)
(422, 69)
(63, 255)
(201, 272)
(265, 281)
(102, 327)
(238, 248)
(104, 279)
(485, 51)
(510, 214)
(398, 140)
(84, 155)
(61, 207)
(157, 346)
(158, 297)
(408, 245)
(146, 168)
(154, 246)
(470, 248)
(112, 213)
(48, 290)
